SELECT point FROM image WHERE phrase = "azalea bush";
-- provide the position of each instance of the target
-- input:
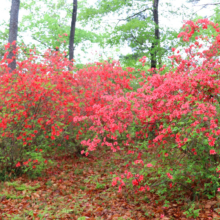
(166, 121)
(40, 104)
(181, 107)
(29, 112)
(185, 104)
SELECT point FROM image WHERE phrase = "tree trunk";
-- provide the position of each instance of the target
(156, 34)
(13, 32)
(72, 31)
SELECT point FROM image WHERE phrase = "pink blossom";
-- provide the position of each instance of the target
(169, 176)
(149, 165)
(212, 152)
(142, 189)
(139, 161)
(135, 182)
(114, 183)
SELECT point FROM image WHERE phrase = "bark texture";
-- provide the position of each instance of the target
(155, 44)
(13, 32)
(72, 31)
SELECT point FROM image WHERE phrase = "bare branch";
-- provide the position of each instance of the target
(135, 14)
(209, 4)
(125, 19)
(204, 5)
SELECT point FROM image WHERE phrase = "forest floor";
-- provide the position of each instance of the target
(80, 188)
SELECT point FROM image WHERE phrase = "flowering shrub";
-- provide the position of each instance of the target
(169, 126)
(182, 108)
(41, 102)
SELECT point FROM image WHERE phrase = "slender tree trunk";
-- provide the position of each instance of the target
(72, 31)
(13, 32)
(155, 44)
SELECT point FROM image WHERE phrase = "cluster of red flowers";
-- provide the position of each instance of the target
(97, 106)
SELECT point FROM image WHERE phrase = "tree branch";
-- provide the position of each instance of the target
(40, 41)
(204, 5)
(124, 19)
(131, 16)
(209, 4)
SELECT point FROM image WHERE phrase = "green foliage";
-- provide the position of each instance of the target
(35, 169)
(11, 196)
(82, 218)
(192, 212)
(22, 187)
(100, 186)
(131, 23)
(48, 21)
